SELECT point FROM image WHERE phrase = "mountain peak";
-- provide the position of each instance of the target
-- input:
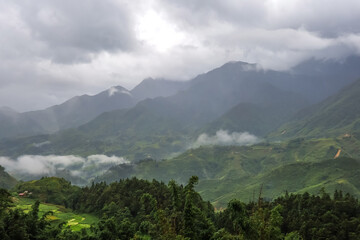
(117, 89)
(239, 64)
(148, 79)
(157, 87)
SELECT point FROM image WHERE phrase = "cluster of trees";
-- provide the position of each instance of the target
(139, 209)
(49, 189)
(321, 217)
(16, 224)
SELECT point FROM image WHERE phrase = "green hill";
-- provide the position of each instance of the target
(337, 115)
(48, 189)
(140, 209)
(226, 172)
(335, 174)
(6, 180)
(258, 119)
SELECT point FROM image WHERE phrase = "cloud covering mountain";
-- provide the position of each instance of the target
(32, 166)
(51, 51)
(223, 137)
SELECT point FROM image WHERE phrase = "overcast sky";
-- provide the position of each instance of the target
(51, 50)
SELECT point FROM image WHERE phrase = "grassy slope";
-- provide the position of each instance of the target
(6, 180)
(135, 134)
(337, 115)
(228, 172)
(247, 117)
(342, 174)
(75, 221)
(48, 189)
(51, 190)
(234, 161)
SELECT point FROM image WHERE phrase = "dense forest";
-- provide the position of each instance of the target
(140, 209)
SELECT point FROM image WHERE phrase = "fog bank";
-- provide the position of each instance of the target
(29, 166)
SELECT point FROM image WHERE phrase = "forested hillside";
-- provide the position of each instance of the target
(139, 209)
(6, 181)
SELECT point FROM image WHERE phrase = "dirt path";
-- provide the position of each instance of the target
(337, 154)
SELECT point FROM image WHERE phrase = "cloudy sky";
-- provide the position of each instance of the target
(51, 50)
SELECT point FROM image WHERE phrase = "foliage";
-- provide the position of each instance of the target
(227, 172)
(76, 221)
(6, 181)
(49, 189)
(139, 209)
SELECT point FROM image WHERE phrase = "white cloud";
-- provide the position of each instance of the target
(112, 91)
(223, 137)
(41, 144)
(36, 165)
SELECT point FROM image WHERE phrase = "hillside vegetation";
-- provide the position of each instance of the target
(226, 172)
(335, 116)
(139, 209)
(48, 189)
(6, 180)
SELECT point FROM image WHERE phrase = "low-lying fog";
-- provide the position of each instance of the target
(77, 169)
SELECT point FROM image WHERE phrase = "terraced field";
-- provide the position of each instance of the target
(74, 221)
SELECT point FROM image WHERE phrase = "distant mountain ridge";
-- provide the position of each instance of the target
(236, 96)
(164, 125)
(152, 88)
(318, 79)
(72, 113)
(313, 79)
(14, 124)
(6, 181)
(81, 109)
(337, 115)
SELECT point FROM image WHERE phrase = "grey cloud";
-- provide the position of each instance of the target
(275, 34)
(53, 50)
(201, 13)
(34, 46)
(330, 18)
(73, 30)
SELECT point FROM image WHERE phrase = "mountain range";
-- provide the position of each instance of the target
(307, 121)
(160, 117)
(206, 96)
(160, 126)
(81, 109)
